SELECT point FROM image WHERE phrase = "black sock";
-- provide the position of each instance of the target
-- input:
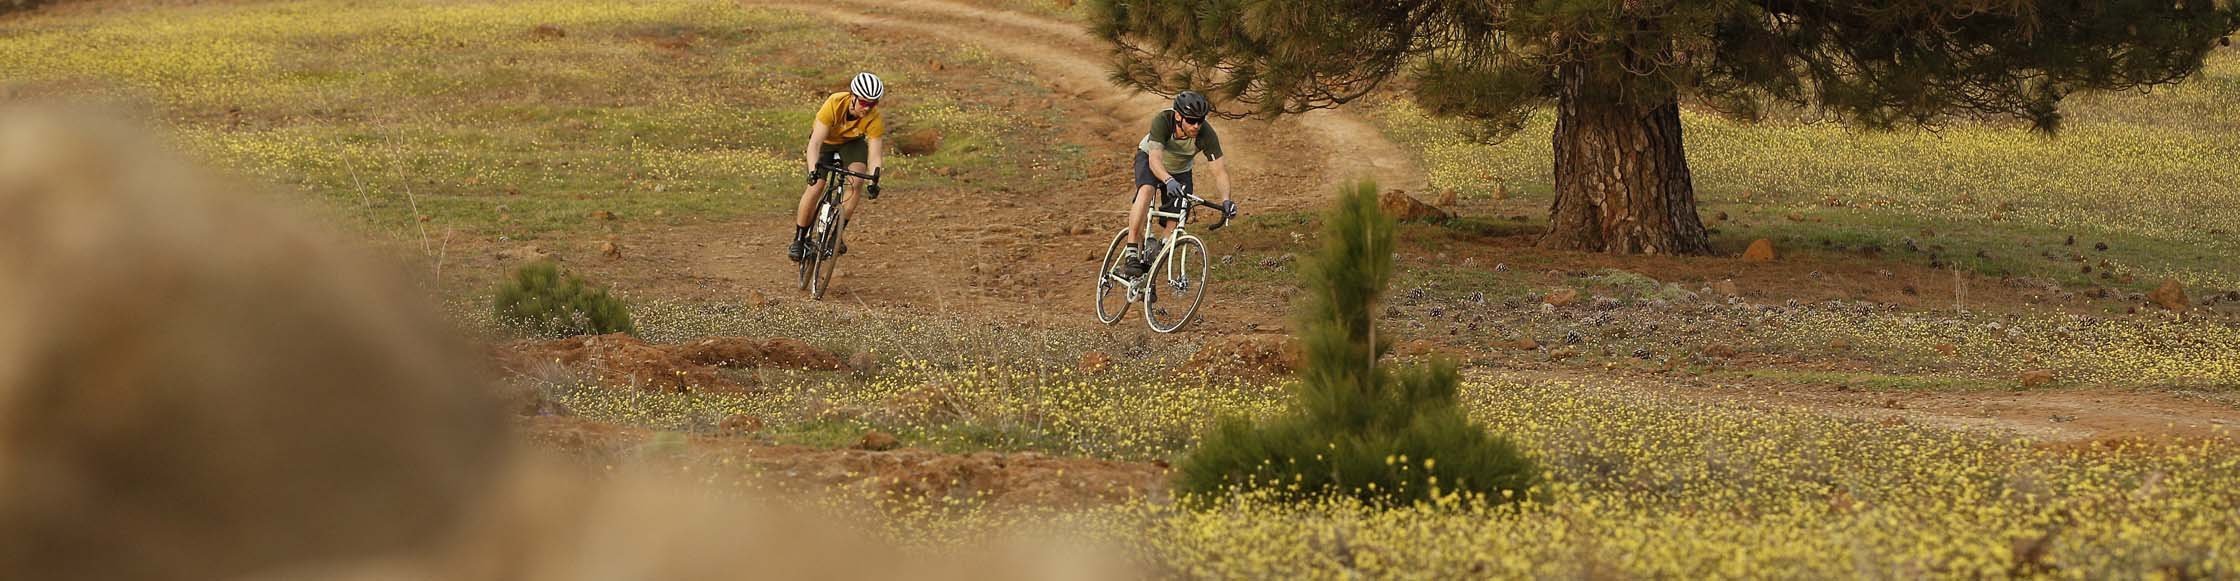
(800, 232)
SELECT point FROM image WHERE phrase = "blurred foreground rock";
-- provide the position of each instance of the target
(195, 386)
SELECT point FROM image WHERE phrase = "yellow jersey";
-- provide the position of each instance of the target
(835, 108)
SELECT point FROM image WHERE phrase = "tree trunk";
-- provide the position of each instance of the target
(1622, 183)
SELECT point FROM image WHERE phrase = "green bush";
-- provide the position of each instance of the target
(1356, 428)
(542, 300)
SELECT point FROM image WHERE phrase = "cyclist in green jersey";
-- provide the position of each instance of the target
(1163, 167)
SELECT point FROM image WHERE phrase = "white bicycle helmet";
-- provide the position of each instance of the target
(866, 86)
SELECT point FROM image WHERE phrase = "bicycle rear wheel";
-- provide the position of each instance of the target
(1175, 286)
(1112, 295)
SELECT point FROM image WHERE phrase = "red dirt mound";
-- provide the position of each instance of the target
(999, 479)
(622, 360)
(1246, 355)
(744, 352)
(918, 142)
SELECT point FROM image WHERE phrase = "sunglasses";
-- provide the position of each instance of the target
(1194, 121)
(868, 103)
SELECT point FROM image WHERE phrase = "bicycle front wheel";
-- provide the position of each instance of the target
(828, 258)
(1112, 294)
(1175, 286)
(808, 266)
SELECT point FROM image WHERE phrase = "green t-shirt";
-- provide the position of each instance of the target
(1174, 153)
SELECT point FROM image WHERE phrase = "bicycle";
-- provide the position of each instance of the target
(1179, 267)
(824, 233)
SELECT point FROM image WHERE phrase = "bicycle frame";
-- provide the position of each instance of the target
(1190, 201)
(832, 205)
(836, 182)
(829, 220)
(1168, 275)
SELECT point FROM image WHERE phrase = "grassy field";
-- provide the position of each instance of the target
(2147, 175)
(1637, 485)
(1655, 489)
(512, 119)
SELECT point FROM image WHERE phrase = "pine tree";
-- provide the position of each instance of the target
(1616, 72)
(1356, 428)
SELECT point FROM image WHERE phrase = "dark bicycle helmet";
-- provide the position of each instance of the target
(1191, 104)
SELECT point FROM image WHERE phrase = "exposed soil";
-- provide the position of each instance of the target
(1268, 354)
(2050, 415)
(990, 478)
(622, 360)
(1013, 254)
(1026, 257)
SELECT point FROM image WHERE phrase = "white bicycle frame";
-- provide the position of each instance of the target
(1152, 215)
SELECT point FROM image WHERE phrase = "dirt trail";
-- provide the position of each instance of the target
(998, 479)
(980, 247)
(2060, 415)
(1298, 146)
(971, 250)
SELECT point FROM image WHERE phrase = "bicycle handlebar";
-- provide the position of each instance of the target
(833, 168)
(1197, 201)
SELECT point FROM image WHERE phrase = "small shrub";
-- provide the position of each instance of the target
(1625, 282)
(1355, 428)
(542, 300)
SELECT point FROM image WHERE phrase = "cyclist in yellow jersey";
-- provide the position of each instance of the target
(848, 128)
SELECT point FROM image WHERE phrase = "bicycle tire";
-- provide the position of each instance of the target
(1181, 276)
(808, 262)
(807, 265)
(828, 256)
(1107, 288)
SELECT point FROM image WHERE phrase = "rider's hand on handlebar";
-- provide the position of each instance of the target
(872, 190)
(1174, 187)
(812, 176)
(1228, 209)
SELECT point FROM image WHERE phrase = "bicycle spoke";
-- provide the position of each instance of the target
(1113, 295)
(1181, 275)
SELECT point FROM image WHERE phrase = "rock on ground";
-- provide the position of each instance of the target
(1401, 207)
(2171, 295)
(1761, 250)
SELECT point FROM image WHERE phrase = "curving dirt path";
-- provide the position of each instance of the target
(1066, 53)
(981, 247)
(2065, 415)
(1021, 259)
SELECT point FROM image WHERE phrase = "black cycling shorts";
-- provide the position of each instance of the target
(854, 151)
(1144, 177)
